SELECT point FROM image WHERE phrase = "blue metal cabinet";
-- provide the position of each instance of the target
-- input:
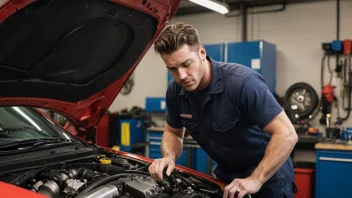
(153, 149)
(202, 164)
(131, 132)
(216, 51)
(333, 173)
(155, 104)
(258, 55)
(154, 140)
(192, 156)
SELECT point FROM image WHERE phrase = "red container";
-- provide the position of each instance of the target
(304, 179)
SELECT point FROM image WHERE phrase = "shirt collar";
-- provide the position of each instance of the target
(216, 84)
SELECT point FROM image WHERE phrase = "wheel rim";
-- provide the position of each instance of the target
(301, 100)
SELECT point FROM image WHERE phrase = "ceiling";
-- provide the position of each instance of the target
(187, 7)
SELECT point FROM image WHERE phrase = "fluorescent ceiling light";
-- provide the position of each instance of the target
(213, 5)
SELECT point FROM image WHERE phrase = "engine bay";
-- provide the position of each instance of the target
(109, 176)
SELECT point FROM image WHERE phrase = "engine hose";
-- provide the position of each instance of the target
(116, 183)
(212, 192)
(110, 169)
(184, 184)
(111, 178)
(85, 165)
(188, 182)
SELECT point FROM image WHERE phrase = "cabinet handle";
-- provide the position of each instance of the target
(155, 138)
(155, 143)
(335, 159)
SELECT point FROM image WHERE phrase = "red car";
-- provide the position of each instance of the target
(73, 57)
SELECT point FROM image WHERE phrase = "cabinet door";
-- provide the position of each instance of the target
(245, 53)
(216, 51)
(334, 174)
(257, 55)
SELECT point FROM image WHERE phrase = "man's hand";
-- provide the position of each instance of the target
(241, 187)
(157, 167)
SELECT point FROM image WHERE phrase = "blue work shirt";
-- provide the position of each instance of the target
(229, 123)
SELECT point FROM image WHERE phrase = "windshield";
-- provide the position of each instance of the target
(21, 123)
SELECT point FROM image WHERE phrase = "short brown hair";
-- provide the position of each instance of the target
(176, 35)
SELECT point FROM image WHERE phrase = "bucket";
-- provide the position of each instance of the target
(304, 179)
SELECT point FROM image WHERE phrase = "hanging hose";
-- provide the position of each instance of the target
(337, 106)
(322, 71)
(330, 71)
(344, 81)
(349, 90)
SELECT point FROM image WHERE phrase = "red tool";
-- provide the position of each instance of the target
(328, 93)
(347, 45)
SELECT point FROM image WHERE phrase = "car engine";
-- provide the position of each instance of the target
(110, 177)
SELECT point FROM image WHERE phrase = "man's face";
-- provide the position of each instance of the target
(186, 65)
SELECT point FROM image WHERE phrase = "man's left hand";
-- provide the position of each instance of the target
(241, 187)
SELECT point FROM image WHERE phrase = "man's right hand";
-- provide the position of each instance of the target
(157, 167)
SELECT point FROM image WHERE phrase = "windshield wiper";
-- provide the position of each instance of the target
(31, 143)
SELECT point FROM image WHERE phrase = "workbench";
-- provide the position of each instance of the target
(333, 170)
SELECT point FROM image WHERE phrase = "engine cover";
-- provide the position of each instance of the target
(73, 186)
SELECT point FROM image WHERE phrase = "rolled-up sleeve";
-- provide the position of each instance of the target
(258, 103)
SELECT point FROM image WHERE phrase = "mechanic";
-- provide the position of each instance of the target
(228, 109)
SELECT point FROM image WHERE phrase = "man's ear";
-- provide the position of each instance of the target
(203, 53)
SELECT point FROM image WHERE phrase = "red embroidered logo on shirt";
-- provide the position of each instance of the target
(186, 115)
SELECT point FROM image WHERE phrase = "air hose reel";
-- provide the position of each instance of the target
(301, 100)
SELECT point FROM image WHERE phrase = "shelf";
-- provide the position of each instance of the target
(308, 139)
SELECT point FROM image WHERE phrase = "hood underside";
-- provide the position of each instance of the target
(74, 56)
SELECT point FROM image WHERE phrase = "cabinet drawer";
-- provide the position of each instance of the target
(333, 172)
(155, 139)
(154, 148)
(155, 134)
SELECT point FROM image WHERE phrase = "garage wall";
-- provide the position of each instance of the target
(298, 33)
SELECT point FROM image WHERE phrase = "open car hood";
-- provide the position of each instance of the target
(74, 56)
